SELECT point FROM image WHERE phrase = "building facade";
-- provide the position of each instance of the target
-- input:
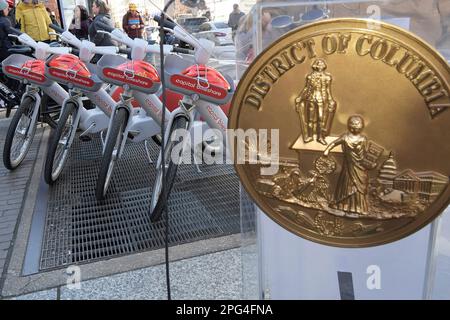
(387, 173)
(427, 185)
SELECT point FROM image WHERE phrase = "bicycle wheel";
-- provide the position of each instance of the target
(159, 198)
(20, 134)
(111, 153)
(157, 139)
(60, 143)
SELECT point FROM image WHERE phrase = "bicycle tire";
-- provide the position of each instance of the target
(157, 139)
(115, 137)
(159, 198)
(28, 104)
(50, 174)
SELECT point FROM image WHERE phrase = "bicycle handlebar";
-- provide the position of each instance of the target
(76, 51)
(56, 50)
(15, 31)
(120, 36)
(182, 50)
(104, 26)
(105, 50)
(180, 33)
(84, 45)
(167, 23)
(124, 50)
(56, 28)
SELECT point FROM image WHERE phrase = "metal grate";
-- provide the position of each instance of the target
(79, 229)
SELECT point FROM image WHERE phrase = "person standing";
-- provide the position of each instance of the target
(34, 19)
(147, 16)
(5, 25)
(315, 104)
(234, 18)
(352, 189)
(132, 22)
(207, 15)
(80, 22)
(12, 12)
(101, 11)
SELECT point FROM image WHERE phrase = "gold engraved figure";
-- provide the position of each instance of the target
(352, 189)
(285, 183)
(315, 104)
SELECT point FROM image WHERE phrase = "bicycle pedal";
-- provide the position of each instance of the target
(85, 138)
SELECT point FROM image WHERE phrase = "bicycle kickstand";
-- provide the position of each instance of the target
(148, 152)
(197, 164)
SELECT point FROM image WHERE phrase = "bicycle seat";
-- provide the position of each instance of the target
(20, 49)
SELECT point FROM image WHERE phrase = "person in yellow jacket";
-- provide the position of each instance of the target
(33, 19)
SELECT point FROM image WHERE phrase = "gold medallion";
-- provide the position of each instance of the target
(360, 112)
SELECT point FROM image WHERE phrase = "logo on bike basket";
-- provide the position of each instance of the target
(71, 77)
(25, 73)
(127, 77)
(198, 86)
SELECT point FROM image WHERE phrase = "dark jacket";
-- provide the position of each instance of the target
(83, 32)
(233, 19)
(12, 17)
(5, 43)
(128, 20)
(99, 38)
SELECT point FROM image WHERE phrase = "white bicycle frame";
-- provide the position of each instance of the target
(54, 91)
(147, 122)
(212, 114)
(144, 122)
(154, 107)
(145, 126)
(93, 120)
(140, 125)
(97, 119)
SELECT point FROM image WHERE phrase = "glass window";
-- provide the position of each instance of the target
(221, 25)
(205, 27)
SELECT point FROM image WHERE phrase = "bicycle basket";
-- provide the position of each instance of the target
(137, 75)
(70, 70)
(22, 67)
(188, 79)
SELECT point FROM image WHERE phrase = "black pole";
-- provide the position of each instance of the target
(62, 18)
(163, 118)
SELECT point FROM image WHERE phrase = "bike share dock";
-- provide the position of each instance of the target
(64, 225)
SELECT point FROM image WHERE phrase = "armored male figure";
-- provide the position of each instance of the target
(315, 104)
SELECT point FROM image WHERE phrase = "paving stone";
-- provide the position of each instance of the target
(6, 237)
(41, 295)
(5, 245)
(13, 185)
(3, 254)
(212, 276)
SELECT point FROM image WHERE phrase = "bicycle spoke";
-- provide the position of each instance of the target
(114, 158)
(63, 146)
(21, 137)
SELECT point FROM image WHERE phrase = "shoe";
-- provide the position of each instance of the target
(322, 141)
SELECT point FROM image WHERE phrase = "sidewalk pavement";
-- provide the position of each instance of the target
(13, 189)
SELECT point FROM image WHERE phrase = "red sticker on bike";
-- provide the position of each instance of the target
(197, 86)
(25, 73)
(72, 77)
(127, 77)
